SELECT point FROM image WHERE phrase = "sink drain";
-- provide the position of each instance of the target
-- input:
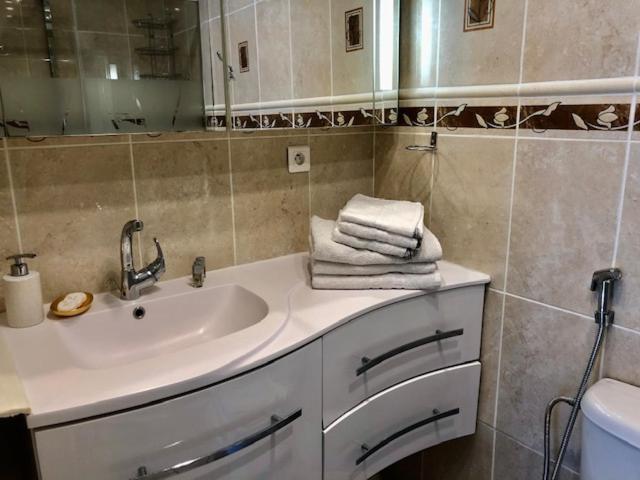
(138, 312)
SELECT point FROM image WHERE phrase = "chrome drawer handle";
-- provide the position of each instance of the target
(277, 423)
(368, 451)
(368, 363)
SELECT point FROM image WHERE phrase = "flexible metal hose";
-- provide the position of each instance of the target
(575, 403)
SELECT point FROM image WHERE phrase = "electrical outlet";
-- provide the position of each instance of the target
(299, 158)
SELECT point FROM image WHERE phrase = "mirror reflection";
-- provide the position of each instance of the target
(478, 14)
(98, 66)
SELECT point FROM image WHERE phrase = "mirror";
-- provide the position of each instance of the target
(311, 63)
(479, 14)
(100, 66)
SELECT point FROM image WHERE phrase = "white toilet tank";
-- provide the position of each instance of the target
(611, 432)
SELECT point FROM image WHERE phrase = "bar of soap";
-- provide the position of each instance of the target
(72, 301)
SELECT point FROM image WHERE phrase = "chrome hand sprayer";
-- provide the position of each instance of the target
(602, 283)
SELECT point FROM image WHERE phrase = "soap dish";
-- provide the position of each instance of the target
(86, 305)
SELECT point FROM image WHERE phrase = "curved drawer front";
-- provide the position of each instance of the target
(397, 342)
(402, 420)
(262, 425)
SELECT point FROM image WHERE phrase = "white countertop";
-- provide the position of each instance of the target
(59, 391)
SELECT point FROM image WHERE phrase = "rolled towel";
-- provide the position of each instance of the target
(330, 268)
(373, 245)
(371, 233)
(394, 216)
(405, 281)
(326, 250)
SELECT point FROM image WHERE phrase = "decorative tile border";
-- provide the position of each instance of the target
(314, 119)
(605, 117)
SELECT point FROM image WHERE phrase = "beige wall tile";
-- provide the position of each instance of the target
(39, 142)
(341, 166)
(569, 40)
(401, 174)
(564, 219)
(241, 27)
(310, 32)
(14, 61)
(543, 355)
(515, 461)
(101, 16)
(418, 43)
(622, 355)
(627, 303)
(72, 203)
(271, 205)
(274, 55)
(480, 57)
(184, 198)
(466, 458)
(489, 356)
(8, 236)
(352, 71)
(100, 50)
(470, 207)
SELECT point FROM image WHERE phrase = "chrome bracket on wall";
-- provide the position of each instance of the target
(432, 147)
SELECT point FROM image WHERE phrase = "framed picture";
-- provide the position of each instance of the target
(243, 56)
(479, 14)
(353, 29)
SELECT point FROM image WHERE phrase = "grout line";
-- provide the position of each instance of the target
(14, 203)
(135, 192)
(71, 145)
(233, 206)
(498, 367)
(507, 137)
(552, 307)
(290, 52)
(522, 44)
(329, 2)
(255, 19)
(628, 330)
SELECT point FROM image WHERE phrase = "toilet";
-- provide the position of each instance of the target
(611, 432)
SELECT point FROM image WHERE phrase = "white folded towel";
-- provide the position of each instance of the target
(394, 216)
(405, 281)
(330, 268)
(373, 245)
(371, 233)
(326, 250)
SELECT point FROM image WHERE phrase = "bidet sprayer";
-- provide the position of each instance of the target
(602, 283)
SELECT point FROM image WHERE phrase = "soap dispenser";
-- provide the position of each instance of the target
(23, 294)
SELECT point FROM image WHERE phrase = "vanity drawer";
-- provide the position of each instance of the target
(212, 422)
(400, 340)
(402, 420)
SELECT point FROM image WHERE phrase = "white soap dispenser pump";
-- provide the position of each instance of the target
(23, 294)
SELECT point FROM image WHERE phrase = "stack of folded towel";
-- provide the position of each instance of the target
(375, 243)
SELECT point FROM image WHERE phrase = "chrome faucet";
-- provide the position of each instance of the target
(198, 272)
(132, 281)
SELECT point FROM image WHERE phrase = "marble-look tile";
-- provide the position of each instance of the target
(271, 205)
(489, 355)
(241, 27)
(8, 236)
(418, 43)
(564, 219)
(627, 303)
(98, 51)
(470, 206)
(342, 165)
(480, 57)
(72, 204)
(352, 71)
(274, 56)
(184, 198)
(401, 174)
(101, 16)
(466, 458)
(622, 355)
(310, 31)
(576, 40)
(64, 140)
(215, 35)
(543, 356)
(13, 61)
(515, 461)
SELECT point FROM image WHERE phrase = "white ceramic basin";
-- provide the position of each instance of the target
(115, 336)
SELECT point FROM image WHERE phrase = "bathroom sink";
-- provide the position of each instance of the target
(148, 328)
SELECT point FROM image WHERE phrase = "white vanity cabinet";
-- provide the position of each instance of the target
(275, 410)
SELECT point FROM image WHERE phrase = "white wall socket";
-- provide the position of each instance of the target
(299, 159)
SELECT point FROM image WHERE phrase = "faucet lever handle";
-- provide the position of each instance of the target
(158, 248)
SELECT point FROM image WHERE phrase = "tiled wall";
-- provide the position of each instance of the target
(228, 197)
(535, 184)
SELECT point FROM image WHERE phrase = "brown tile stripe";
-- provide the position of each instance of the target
(636, 120)
(344, 118)
(465, 116)
(603, 117)
(416, 116)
